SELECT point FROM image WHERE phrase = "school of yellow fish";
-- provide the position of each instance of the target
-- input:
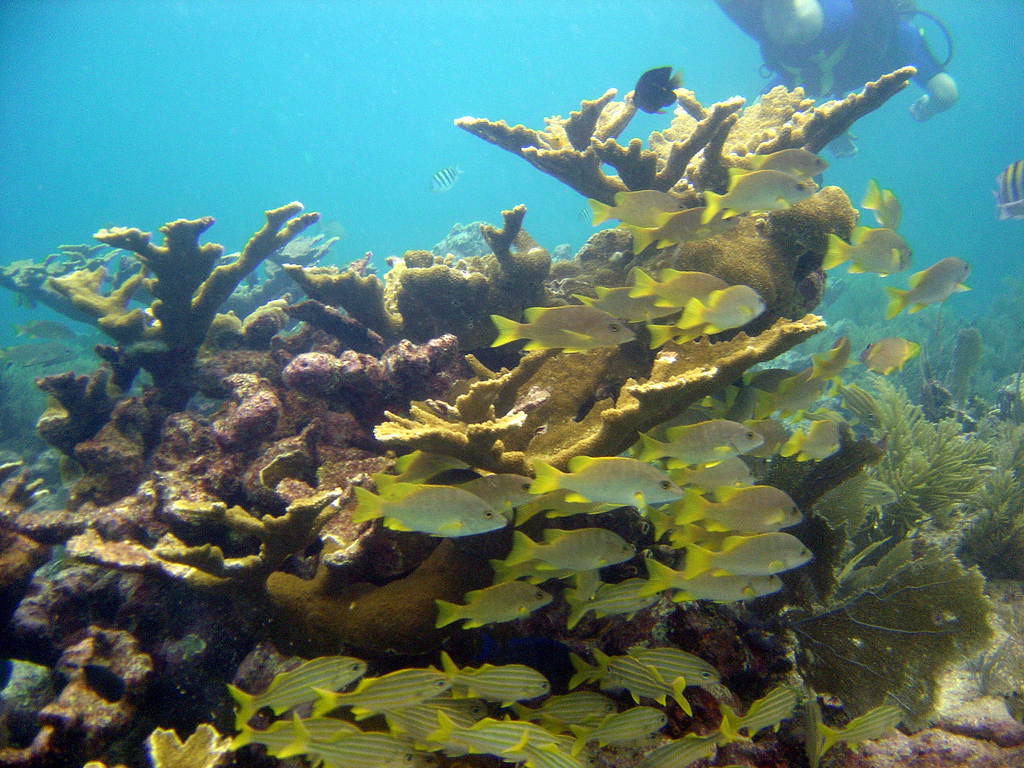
(406, 717)
(685, 478)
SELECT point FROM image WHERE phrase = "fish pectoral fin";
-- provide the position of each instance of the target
(722, 572)
(577, 498)
(576, 335)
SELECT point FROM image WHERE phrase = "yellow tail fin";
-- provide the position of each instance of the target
(368, 506)
(546, 478)
(698, 560)
(508, 330)
(447, 613)
(712, 205)
(897, 301)
(602, 211)
(838, 252)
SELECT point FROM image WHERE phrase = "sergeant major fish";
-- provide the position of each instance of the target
(445, 179)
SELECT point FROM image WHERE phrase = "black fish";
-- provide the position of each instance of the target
(655, 89)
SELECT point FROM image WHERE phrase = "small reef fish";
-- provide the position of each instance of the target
(832, 363)
(791, 395)
(719, 589)
(881, 251)
(770, 710)
(376, 695)
(289, 737)
(673, 663)
(1010, 192)
(877, 494)
(445, 179)
(506, 683)
(572, 328)
(730, 307)
(930, 286)
(418, 466)
(754, 508)
(801, 163)
(889, 354)
(884, 204)
(583, 549)
(871, 725)
(576, 708)
(820, 440)
(492, 605)
(774, 434)
(759, 555)
(609, 600)
(681, 752)
(680, 227)
(46, 329)
(420, 721)
(607, 480)
(43, 354)
(860, 403)
(641, 208)
(289, 689)
(757, 191)
(439, 510)
(620, 303)
(706, 442)
(621, 729)
(642, 681)
(729, 471)
(674, 288)
(361, 750)
(500, 491)
(490, 736)
(656, 89)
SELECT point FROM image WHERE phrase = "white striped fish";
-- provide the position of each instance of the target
(444, 179)
(1010, 192)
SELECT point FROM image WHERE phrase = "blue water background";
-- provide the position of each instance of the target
(137, 113)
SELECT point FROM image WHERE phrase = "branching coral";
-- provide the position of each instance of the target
(931, 467)
(188, 288)
(574, 150)
(555, 406)
(424, 296)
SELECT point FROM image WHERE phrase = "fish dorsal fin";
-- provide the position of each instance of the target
(858, 234)
(532, 314)
(915, 279)
(578, 463)
(587, 300)
(730, 543)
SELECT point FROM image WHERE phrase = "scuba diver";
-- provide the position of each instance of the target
(831, 47)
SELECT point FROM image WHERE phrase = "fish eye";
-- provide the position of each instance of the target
(614, 327)
(665, 485)
(751, 435)
(526, 486)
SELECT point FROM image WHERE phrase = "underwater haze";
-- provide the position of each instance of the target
(137, 113)
(642, 479)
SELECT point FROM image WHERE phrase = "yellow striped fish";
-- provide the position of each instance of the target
(289, 689)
